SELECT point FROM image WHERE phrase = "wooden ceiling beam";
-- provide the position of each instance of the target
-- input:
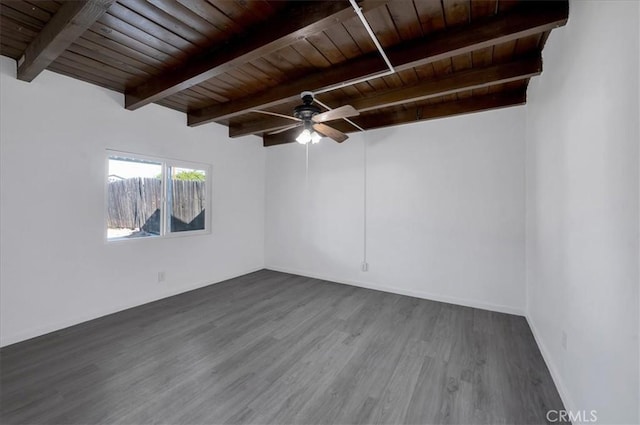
(471, 79)
(422, 113)
(72, 19)
(524, 20)
(262, 125)
(298, 21)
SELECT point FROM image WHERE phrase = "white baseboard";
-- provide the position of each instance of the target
(555, 375)
(417, 294)
(6, 340)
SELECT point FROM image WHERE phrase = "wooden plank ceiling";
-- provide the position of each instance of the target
(220, 60)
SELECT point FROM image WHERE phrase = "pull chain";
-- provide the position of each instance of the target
(306, 171)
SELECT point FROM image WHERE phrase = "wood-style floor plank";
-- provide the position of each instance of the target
(275, 348)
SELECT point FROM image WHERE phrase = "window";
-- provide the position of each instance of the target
(155, 197)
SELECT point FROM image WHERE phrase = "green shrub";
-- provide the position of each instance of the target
(192, 175)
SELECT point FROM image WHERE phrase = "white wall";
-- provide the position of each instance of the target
(582, 207)
(56, 269)
(445, 210)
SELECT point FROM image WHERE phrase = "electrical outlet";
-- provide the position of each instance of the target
(365, 266)
(564, 340)
(161, 276)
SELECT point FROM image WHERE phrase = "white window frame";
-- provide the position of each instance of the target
(165, 231)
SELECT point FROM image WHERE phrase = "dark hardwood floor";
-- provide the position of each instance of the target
(275, 348)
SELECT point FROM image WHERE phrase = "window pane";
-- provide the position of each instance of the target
(134, 198)
(187, 197)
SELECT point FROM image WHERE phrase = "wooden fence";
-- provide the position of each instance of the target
(135, 204)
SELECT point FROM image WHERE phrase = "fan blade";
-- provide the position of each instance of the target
(334, 114)
(330, 132)
(275, 114)
(289, 127)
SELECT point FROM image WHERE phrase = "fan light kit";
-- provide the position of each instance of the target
(308, 135)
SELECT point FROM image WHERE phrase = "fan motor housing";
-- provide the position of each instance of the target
(307, 110)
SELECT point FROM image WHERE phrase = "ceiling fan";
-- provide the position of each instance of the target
(309, 117)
